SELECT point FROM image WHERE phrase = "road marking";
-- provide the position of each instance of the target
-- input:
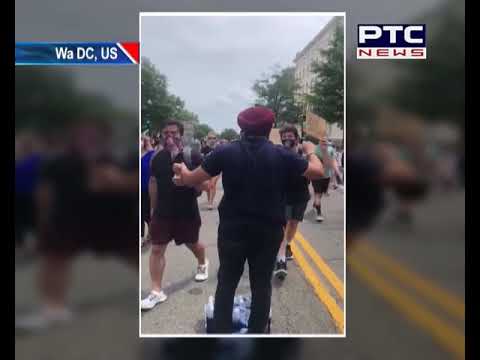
(320, 290)
(446, 335)
(322, 266)
(451, 303)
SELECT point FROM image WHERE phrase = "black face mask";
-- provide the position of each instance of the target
(289, 143)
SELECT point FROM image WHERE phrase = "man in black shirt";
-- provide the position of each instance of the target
(175, 214)
(252, 211)
(297, 199)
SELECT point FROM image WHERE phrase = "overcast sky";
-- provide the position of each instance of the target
(212, 62)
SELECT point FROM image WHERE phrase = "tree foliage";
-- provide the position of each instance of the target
(158, 104)
(435, 88)
(47, 100)
(201, 131)
(327, 96)
(276, 91)
(229, 134)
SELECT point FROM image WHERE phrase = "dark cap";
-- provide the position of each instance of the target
(257, 120)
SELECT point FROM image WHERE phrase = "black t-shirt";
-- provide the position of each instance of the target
(206, 150)
(73, 201)
(66, 175)
(174, 201)
(255, 177)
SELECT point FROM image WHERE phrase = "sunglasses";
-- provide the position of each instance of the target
(212, 138)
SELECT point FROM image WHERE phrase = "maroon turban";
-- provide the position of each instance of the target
(257, 120)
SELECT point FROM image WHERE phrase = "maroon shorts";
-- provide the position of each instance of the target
(183, 231)
(69, 238)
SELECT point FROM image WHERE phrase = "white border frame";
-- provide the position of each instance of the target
(200, 14)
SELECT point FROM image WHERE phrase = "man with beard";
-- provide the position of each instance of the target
(252, 211)
(174, 211)
(298, 196)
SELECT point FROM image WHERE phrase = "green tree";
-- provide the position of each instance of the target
(43, 99)
(435, 88)
(327, 96)
(201, 131)
(276, 91)
(48, 100)
(229, 134)
(157, 105)
(185, 115)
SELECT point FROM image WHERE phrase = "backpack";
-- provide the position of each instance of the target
(187, 159)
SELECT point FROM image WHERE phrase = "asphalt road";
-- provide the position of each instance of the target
(379, 325)
(296, 308)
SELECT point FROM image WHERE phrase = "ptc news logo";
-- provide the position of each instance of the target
(391, 42)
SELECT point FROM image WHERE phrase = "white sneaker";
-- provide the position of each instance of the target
(202, 272)
(320, 218)
(152, 300)
(43, 319)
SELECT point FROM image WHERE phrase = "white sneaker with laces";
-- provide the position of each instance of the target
(43, 319)
(152, 300)
(202, 272)
(320, 218)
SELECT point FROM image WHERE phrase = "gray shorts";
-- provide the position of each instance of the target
(295, 211)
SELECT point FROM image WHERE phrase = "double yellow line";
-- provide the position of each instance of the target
(368, 262)
(320, 290)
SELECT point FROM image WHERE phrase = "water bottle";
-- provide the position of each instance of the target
(209, 308)
(244, 315)
(246, 302)
(236, 316)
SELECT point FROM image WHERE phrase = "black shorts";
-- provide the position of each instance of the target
(295, 211)
(320, 186)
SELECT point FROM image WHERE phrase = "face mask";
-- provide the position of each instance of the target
(173, 145)
(289, 143)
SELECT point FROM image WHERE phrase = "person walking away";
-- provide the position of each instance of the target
(297, 199)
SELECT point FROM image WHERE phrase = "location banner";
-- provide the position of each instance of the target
(100, 53)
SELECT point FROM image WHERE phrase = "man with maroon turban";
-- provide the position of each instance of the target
(252, 211)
